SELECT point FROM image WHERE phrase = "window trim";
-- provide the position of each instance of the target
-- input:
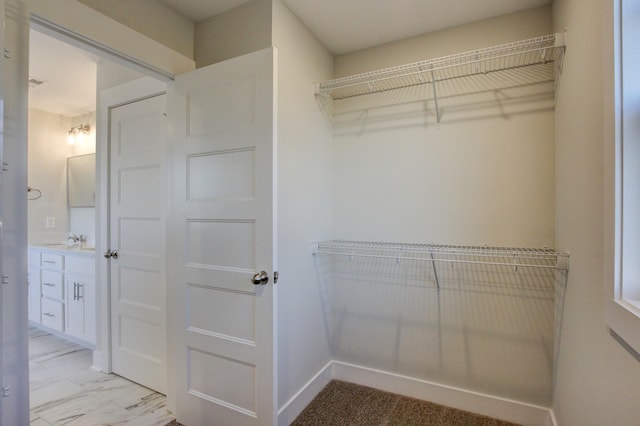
(621, 315)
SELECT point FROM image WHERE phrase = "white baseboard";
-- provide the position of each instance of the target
(292, 408)
(98, 362)
(488, 405)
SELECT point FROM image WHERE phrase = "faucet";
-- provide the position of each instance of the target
(77, 238)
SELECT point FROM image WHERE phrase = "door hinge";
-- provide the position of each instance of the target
(5, 279)
(5, 167)
(7, 53)
(6, 391)
(276, 275)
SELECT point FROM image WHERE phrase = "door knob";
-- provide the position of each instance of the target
(261, 278)
(111, 254)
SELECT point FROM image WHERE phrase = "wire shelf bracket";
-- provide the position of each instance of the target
(524, 53)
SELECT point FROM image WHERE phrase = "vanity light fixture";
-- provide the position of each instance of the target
(77, 133)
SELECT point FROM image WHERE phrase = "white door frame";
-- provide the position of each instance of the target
(14, 394)
(163, 63)
(79, 29)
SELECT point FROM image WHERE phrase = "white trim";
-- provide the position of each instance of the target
(84, 27)
(622, 317)
(462, 399)
(292, 408)
(623, 321)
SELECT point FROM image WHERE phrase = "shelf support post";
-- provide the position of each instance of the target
(435, 272)
(435, 95)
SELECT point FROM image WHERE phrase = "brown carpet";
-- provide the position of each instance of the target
(341, 403)
(345, 404)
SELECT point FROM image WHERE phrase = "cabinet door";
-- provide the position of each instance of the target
(35, 294)
(79, 306)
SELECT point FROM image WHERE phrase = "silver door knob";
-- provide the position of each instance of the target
(111, 254)
(261, 278)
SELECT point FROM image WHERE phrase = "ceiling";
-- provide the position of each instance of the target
(197, 10)
(69, 73)
(348, 25)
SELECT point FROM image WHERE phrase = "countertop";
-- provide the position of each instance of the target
(64, 249)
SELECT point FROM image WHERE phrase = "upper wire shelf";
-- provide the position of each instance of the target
(438, 253)
(541, 50)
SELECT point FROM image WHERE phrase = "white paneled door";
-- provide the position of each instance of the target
(138, 182)
(222, 236)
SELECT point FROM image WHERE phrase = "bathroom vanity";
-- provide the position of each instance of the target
(62, 291)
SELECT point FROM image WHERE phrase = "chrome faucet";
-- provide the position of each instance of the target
(77, 238)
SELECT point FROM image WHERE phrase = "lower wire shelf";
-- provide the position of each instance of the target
(440, 253)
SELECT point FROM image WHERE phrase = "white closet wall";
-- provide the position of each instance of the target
(592, 362)
(304, 202)
(484, 175)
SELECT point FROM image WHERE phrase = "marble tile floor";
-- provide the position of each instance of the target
(64, 390)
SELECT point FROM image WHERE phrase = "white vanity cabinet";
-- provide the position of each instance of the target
(62, 291)
(80, 298)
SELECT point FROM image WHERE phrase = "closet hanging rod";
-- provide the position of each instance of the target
(496, 256)
(538, 50)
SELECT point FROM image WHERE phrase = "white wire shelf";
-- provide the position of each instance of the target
(438, 253)
(525, 53)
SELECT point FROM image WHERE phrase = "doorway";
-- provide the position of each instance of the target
(52, 221)
(223, 97)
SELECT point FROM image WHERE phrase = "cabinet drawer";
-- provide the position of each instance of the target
(79, 265)
(52, 314)
(52, 285)
(52, 261)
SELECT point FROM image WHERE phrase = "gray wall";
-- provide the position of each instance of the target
(598, 381)
(244, 29)
(304, 202)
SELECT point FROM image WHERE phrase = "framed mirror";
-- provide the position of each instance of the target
(81, 181)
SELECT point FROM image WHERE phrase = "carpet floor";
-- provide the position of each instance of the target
(341, 403)
(345, 404)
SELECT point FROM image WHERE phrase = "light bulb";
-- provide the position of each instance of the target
(72, 138)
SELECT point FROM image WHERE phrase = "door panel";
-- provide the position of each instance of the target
(137, 232)
(222, 224)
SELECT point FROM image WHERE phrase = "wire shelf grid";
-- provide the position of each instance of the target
(484, 255)
(524, 53)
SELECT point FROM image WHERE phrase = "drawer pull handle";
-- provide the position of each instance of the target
(76, 291)
(48, 314)
(48, 261)
(49, 284)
